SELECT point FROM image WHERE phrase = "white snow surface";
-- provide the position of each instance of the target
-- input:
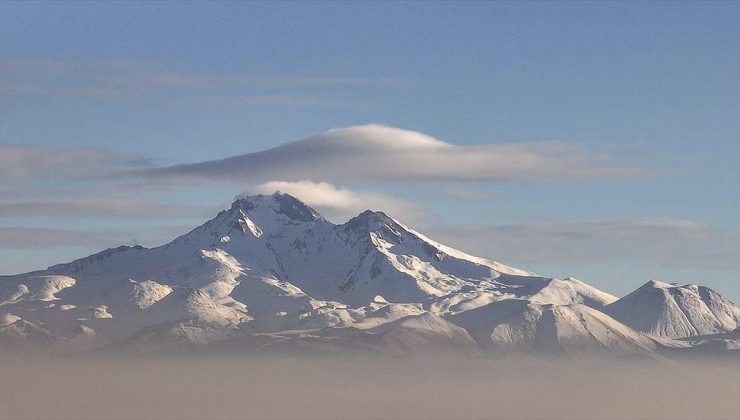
(270, 263)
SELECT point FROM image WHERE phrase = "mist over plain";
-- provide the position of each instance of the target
(231, 386)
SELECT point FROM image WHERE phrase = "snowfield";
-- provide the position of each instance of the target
(270, 273)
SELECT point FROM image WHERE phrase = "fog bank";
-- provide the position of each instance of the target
(244, 387)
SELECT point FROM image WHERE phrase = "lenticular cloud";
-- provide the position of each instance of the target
(380, 153)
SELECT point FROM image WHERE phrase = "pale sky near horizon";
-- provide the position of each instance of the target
(595, 140)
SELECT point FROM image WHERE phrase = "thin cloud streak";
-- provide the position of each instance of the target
(43, 238)
(127, 80)
(668, 242)
(471, 195)
(103, 208)
(35, 238)
(92, 189)
(277, 100)
(24, 162)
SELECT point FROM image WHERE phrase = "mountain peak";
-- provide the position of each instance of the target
(674, 310)
(376, 224)
(278, 203)
(658, 284)
(373, 221)
(371, 218)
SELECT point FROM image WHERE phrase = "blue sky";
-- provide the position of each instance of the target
(650, 90)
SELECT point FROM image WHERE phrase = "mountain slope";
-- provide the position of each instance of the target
(571, 330)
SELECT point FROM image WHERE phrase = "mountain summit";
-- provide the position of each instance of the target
(271, 266)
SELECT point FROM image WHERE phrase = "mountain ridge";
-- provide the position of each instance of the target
(272, 264)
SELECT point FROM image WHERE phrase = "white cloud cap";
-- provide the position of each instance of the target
(340, 203)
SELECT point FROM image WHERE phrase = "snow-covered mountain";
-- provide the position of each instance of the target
(271, 271)
(670, 310)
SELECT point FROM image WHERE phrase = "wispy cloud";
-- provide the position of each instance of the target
(142, 80)
(669, 242)
(277, 100)
(99, 188)
(340, 203)
(23, 162)
(380, 153)
(104, 208)
(37, 90)
(472, 195)
(174, 79)
(35, 238)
